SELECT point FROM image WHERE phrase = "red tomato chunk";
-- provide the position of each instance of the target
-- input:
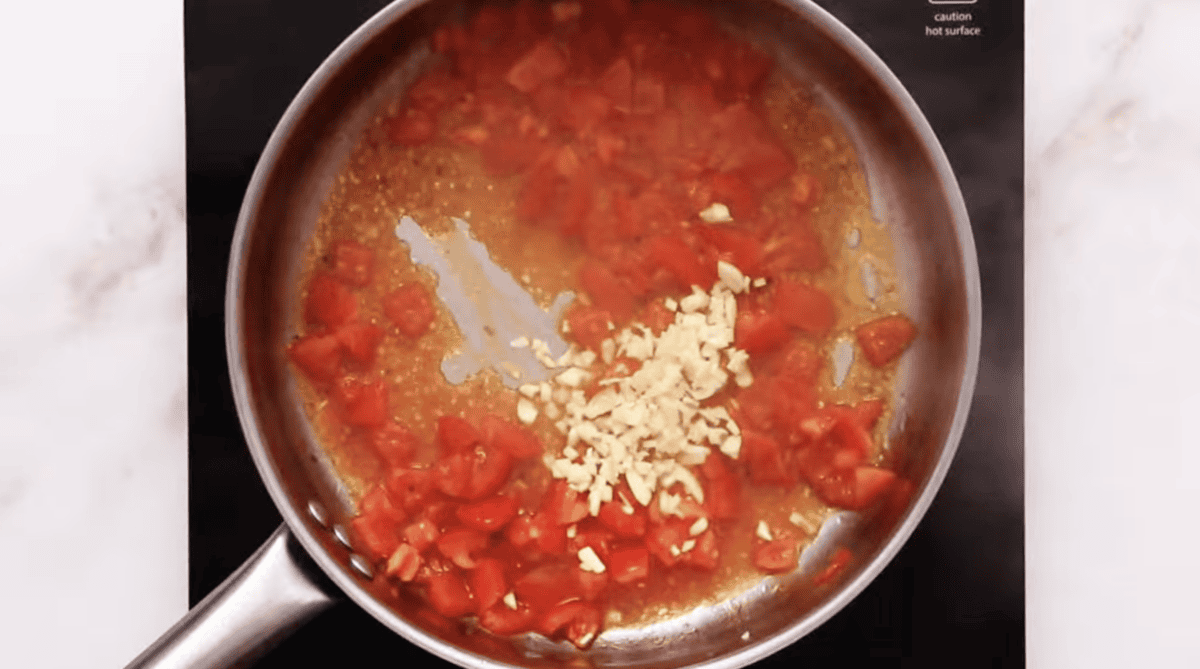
(884, 339)
(410, 309)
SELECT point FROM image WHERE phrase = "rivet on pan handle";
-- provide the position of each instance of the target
(272, 594)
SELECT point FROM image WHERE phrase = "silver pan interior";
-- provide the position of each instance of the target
(913, 192)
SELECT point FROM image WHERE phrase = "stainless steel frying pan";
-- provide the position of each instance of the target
(310, 562)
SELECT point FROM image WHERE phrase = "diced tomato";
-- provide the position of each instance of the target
(547, 585)
(452, 473)
(395, 444)
(359, 341)
(758, 331)
(551, 537)
(589, 534)
(665, 541)
(456, 435)
(762, 164)
(564, 505)
(791, 406)
(566, 161)
(593, 586)
(586, 109)
(488, 515)
(745, 68)
(517, 441)
(672, 253)
(606, 290)
(378, 503)
(543, 63)
(378, 534)
(744, 151)
(410, 487)
(649, 94)
(503, 621)
(764, 458)
(625, 520)
(837, 564)
(850, 434)
(627, 223)
(884, 339)
(318, 356)
(434, 89)
(658, 208)
(490, 468)
(521, 532)
(798, 367)
(617, 84)
(870, 484)
(732, 191)
(472, 474)
(449, 596)
(814, 463)
(329, 303)
(413, 126)
(488, 583)
(461, 545)
(609, 147)
(577, 202)
(629, 565)
(736, 247)
(803, 306)
(589, 326)
(351, 262)
(421, 535)
(868, 412)
(577, 621)
(539, 192)
(404, 563)
(776, 556)
(704, 554)
(798, 250)
(537, 534)
(754, 408)
(363, 404)
(723, 493)
(410, 309)
(815, 427)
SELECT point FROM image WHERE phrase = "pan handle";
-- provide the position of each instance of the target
(271, 595)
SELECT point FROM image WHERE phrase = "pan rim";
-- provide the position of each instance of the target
(348, 583)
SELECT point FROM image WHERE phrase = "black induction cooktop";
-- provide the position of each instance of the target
(954, 596)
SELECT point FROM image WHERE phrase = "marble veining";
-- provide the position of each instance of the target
(1113, 157)
(93, 424)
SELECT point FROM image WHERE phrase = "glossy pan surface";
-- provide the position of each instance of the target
(913, 192)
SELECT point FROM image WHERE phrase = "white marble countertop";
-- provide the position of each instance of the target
(93, 541)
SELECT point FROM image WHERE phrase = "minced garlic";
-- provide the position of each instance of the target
(649, 426)
(589, 561)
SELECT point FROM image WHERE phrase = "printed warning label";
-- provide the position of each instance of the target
(953, 24)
